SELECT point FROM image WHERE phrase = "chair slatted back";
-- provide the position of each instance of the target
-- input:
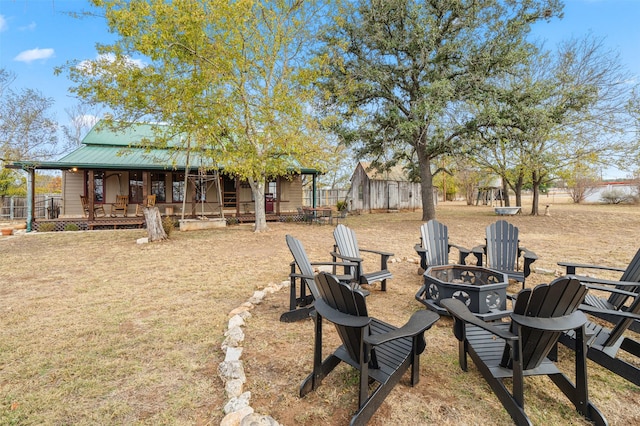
(502, 246)
(302, 261)
(346, 241)
(121, 201)
(435, 240)
(623, 324)
(85, 205)
(560, 298)
(632, 273)
(342, 297)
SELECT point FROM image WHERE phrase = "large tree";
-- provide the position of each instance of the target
(231, 77)
(399, 70)
(558, 110)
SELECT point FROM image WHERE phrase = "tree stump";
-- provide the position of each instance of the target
(154, 224)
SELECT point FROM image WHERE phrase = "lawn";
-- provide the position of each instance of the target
(95, 329)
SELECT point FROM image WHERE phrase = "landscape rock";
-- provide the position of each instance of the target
(235, 321)
(254, 419)
(234, 388)
(237, 403)
(231, 370)
(234, 418)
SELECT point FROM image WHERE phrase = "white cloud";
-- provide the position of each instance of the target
(87, 120)
(30, 27)
(3, 23)
(34, 54)
(88, 66)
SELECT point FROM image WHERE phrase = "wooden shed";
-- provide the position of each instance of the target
(387, 190)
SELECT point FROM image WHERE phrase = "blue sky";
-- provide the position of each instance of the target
(38, 35)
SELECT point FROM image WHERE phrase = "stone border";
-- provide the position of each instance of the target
(237, 410)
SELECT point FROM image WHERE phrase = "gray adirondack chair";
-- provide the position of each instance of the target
(520, 348)
(620, 291)
(502, 251)
(303, 291)
(434, 246)
(606, 343)
(346, 248)
(379, 351)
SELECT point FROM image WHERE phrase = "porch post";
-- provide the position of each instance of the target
(236, 183)
(145, 185)
(313, 190)
(278, 191)
(31, 173)
(91, 189)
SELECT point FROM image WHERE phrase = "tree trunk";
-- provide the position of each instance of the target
(505, 193)
(535, 181)
(426, 187)
(518, 190)
(257, 188)
(154, 224)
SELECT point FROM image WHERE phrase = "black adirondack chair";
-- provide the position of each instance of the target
(434, 246)
(502, 251)
(346, 248)
(620, 291)
(303, 288)
(606, 343)
(520, 348)
(380, 352)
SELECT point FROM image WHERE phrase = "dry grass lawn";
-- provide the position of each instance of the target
(95, 329)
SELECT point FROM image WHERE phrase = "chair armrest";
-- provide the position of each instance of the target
(478, 252)
(347, 258)
(340, 318)
(460, 248)
(528, 254)
(297, 275)
(571, 267)
(460, 311)
(593, 280)
(621, 314)
(611, 290)
(381, 253)
(419, 322)
(333, 264)
(419, 249)
(563, 323)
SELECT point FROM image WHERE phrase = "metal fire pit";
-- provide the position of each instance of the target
(483, 290)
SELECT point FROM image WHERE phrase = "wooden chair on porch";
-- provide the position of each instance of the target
(150, 201)
(98, 209)
(121, 205)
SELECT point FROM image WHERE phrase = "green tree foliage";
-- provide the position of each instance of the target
(400, 73)
(557, 110)
(233, 77)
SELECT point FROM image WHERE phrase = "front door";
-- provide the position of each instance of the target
(229, 194)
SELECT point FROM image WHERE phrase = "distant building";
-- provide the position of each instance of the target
(388, 190)
(623, 188)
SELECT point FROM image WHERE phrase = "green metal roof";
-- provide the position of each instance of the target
(108, 150)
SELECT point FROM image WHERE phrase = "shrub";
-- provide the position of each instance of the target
(168, 225)
(71, 227)
(341, 205)
(616, 196)
(46, 227)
